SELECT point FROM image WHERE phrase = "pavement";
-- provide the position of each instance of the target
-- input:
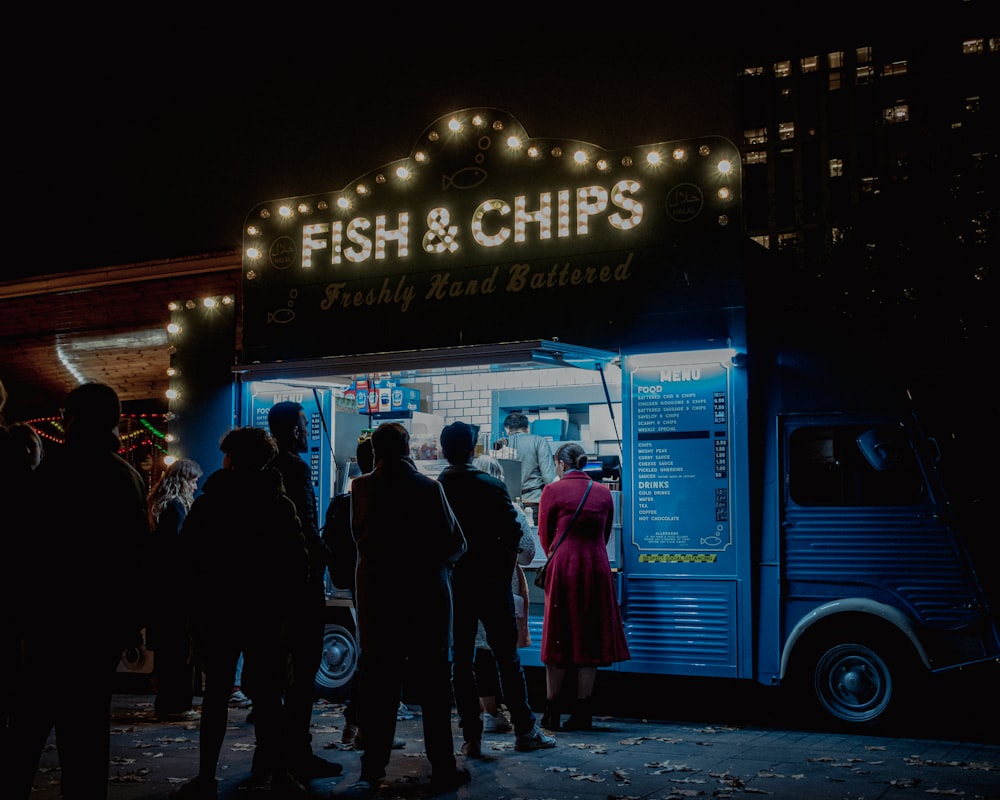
(628, 759)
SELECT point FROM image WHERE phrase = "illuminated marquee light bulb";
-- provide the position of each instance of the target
(172, 372)
(421, 157)
(343, 204)
(253, 253)
(253, 230)
(479, 121)
(174, 328)
(228, 300)
(173, 305)
(725, 166)
(454, 125)
(173, 394)
(603, 165)
(285, 211)
(653, 158)
(169, 437)
(304, 208)
(513, 143)
(210, 302)
(189, 304)
(403, 173)
(580, 157)
(724, 193)
(168, 460)
(679, 154)
(534, 152)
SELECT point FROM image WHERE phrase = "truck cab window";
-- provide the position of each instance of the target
(851, 466)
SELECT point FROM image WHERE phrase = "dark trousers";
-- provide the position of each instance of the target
(497, 615)
(428, 674)
(173, 667)
(264, 677)
(82, 723)
(305, 643)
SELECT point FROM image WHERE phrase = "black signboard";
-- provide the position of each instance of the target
(483, 234)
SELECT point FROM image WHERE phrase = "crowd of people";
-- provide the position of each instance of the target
(439, 590)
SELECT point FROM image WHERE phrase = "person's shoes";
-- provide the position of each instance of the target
(314, 766)
(287, 786)
(350, 735)
(180, 716)
(403, 713)
(534, 740)
(239, 700)
(472, 749)
(495, 723)
(450, 781)
(359, 742)
(197, 788)
(364, 788)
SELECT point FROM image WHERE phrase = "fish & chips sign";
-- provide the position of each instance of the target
(481, 223)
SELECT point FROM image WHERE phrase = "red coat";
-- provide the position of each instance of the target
(583, 623)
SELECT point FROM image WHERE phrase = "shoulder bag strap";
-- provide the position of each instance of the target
(572, 519)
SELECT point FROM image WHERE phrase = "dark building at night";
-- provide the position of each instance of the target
(870, 170)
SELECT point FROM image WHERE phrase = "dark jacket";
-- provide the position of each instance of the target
(489, 521)
(244, 544)
(297, 477)
(87, 546)
(407, 539)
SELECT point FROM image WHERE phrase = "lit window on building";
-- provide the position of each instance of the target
(809, 64)
(787, 240)
(782, 69)
(972, 104)
(786, 130)
(994, 44)
(835, 59)
(864, 75)
(763, 241)
(864, 55)
(894, 69)
(755, 136)
(972, 46)
(897, 113)
(836, 235)
(756, 157)
(836, 167)
(786, 91)
(869, 185)
(835, 80)
(753, 72)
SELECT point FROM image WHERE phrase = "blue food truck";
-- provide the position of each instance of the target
(781, 515)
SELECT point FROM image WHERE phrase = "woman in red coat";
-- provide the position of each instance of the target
(582, 629)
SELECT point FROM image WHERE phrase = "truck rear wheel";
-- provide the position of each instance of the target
(338, 664)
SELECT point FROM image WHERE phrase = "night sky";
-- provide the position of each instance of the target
(136, 156)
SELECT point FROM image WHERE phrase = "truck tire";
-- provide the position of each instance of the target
(854, 682)
(338, 663)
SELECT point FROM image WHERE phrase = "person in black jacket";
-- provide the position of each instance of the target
(87, 533)
(481, 586)
(243, 524)
(290, 429)
(408, 539)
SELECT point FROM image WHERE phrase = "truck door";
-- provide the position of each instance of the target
(876, 587)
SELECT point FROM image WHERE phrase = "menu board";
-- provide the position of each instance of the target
(680, 472)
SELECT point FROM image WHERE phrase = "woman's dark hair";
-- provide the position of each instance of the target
(572, 455)
(249, 448)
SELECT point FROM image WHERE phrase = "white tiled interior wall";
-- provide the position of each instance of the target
(463, 394)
